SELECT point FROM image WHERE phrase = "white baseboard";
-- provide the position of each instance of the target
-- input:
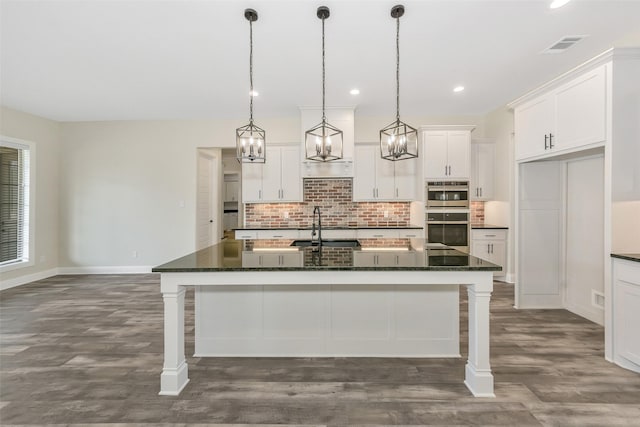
(17, 281)
(124, 269)
(510, 278)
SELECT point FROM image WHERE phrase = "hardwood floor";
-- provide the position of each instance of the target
(82, 350)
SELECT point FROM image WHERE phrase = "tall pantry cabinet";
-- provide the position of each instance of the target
(588, 113)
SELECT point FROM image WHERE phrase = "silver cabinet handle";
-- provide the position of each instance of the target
(260, 194)
(396, 192)
(378, 235)
(480, 191)
(277, 237)
(445, 170)
(488, 251)
(546, 138)
(477, 192)
(550, 140)
(489, 235)
(374, 192)
(449, 170)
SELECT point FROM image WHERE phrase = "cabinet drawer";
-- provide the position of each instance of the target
(411, 233)
(336, 234)
(378, 234)
(488, 234)
(278, 234)
(246, 234)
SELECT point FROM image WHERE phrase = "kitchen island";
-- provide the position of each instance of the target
(272, 299)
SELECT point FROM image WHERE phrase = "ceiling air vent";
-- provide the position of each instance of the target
(563, 44)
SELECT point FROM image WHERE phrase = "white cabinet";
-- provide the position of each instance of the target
(446, 151)
(272, 259)
(626, 313)
(490, 245)
(277, 180)
(378, 179)
(482, 170)
(384, 259)
(569, 117)
(231, 191)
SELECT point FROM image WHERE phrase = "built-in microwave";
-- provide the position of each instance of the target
(447, 194)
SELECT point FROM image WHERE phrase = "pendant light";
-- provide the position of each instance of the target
(398, 141)
(323, 142)
(250, 139)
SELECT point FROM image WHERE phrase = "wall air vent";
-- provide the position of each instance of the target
(563, 44)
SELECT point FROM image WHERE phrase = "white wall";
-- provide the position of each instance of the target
(498, 125)
(46, 135)
(131, 186)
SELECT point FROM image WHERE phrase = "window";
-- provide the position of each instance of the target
(16, 237)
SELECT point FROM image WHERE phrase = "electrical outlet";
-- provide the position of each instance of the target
(285, 215)
(134, 254)
(386, 214)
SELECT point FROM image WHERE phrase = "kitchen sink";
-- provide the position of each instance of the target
(331, 243)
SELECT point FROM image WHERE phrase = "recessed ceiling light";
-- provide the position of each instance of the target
(254, 93)
(558, 3)
(354, 91)
(458, 88)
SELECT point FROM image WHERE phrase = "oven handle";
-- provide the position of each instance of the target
(447, 222)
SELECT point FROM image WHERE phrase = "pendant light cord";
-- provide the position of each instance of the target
(324, 118)
(398, 69)
(251, 70)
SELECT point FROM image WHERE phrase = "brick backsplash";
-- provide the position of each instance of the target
(477, 212)
(334, 196)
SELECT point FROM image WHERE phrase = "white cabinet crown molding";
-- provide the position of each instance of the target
(447, 127)
(603, 58)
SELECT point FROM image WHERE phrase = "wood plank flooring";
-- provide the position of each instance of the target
(87, 350)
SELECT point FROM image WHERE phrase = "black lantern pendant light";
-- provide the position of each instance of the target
(250, 139)
(398, 141)
(323, 142)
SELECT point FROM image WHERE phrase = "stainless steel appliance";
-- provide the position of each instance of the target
(449, 227)
(447, 194)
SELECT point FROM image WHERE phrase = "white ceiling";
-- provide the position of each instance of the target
(146, 59)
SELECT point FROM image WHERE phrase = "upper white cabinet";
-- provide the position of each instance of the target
(277, 180)
(377, 179)
(446, 151)
(564, 119)
(482, 169)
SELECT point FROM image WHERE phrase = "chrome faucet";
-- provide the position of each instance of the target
(319, 228)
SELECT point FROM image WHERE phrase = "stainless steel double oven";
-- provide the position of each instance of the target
(447, 213)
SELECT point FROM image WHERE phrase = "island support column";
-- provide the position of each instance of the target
(478, 377)
(174, 372)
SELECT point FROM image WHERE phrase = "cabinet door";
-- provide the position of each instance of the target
(251, 259)
(480, 249)
(482, 176)
(458, 158)
(435, 154)
(581, 111)
(364, 259)
(271, 190)
(252, 182)
(231, 191)
(406, 182)
(291, 259)
(498, 256)
(291, 180)
(532, 122)
(385, 178)
(364, 180)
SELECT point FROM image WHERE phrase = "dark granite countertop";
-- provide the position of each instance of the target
(628, 257)
(489, 226)
(264, 255)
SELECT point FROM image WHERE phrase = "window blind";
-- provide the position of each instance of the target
(14, 203)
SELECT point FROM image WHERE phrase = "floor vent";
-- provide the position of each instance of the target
(597, 299)
(563, 44)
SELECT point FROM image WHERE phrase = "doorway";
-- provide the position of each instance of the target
(208, 189)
